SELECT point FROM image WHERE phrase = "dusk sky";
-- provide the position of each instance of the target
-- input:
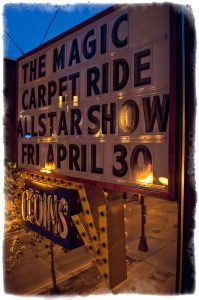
(26, 24)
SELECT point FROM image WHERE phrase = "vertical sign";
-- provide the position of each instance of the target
(48, 209)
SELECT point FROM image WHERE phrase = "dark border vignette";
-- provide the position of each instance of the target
(188, 263)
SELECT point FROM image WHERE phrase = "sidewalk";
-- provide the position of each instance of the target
(146, 274)
(151, 272)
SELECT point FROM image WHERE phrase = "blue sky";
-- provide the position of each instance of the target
(27, 23)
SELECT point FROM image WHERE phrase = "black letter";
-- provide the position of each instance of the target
(94, 168)
(20, 128)
(146, 169)
(116, 73)
(23, 152)
(62, 123)
(118, 43)
(74, 121)
(74, 53)
(139, 67)
(59, 58)
(83, 158)
(42, 64)
(120, 159)
(23, 98)
(24, 67)
(52, 88)
(93, 119)
(92, 45)
(42, 124)
(32, 99)
(108, 118)
(92, 83)
(31, 154)
(129, 125)
(61, 154)
(41, 95)
(37, 154)
(105, 78)
(50, 155)
(61, 87)
(73, 77)
(73, 157)
(103, 39)
(33, 133)
(52, 115)
(26, 126)
(33, 68)
(156, 111)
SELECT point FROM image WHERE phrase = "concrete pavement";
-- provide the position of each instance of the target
(151, 272)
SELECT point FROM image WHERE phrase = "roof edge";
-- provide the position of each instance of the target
(73, 29)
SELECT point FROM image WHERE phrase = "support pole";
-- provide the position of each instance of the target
(143, 243)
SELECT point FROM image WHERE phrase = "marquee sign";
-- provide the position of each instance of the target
(95, 102)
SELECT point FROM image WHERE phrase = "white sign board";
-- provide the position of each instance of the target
(93, 103)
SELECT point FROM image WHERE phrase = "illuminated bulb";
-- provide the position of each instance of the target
(148, 179)
(105, 195)
(128, 117)
(49, 166)
(120, 95)
(124, 206)
(75, 100)
(27, 136)
(54, 136)
(99, 133)
(49, 139)
(163, 180)
(124, 139)
(102, 140)
(45, 171)
(60, 101)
